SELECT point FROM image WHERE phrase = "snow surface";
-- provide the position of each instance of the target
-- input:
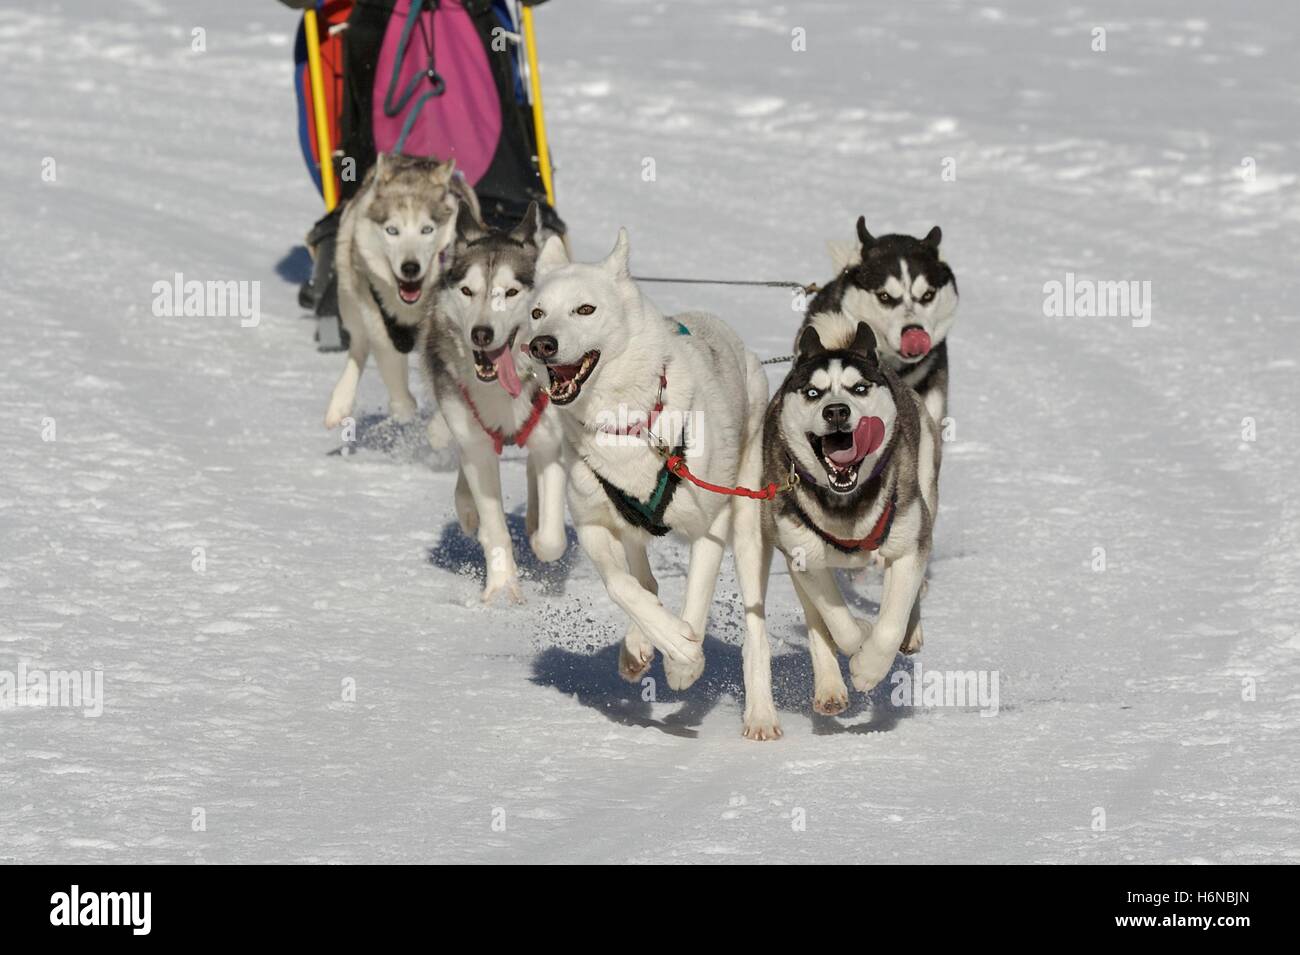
(1120, 690)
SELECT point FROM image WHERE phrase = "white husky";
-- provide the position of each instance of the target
(484, 402)
(391, 239)
(623, 378)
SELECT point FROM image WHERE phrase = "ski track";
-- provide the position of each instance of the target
(1120, 691)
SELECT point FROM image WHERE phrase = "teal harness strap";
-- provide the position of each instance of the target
(649, 514)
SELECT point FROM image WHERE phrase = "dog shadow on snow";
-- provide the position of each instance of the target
(458, 554)
(593, 680)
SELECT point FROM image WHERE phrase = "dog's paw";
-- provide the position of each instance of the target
(635, 657)
(402, 410)
(546, 547)
(509, 586)
(683, 656)
(335, 415)
(832, 699)
(438, 433)
(913, 642)
(761, 724)
(871, 663)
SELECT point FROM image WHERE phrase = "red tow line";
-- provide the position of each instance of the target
(676, 464)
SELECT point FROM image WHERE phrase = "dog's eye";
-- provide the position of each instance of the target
(860, 388)
(538, 314)
(426, 230)
(391, 230)
(585, 309)
(466, 291)
(928, 297)
(812, 394)
(885, 298)
(511, 292)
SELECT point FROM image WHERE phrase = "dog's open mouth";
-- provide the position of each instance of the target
(409, 292)
(841, 452)
(498, 364)
(566, 380)
(914, 343)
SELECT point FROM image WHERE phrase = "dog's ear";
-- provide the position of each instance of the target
(809, 344)
(616, 262)
(380, 168)
(529, 226)
(844, 254)
(468, 228)
(864, 342)
(443, 172)
(933, 238)
(864, 236)
(553, 256)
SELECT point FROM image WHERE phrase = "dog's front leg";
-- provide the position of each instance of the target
(638, 652)
(830, 695)
(344, 396)
(753, 553)
(671, 636)
(546, 501)
(876, 655)
(393, 369)
(482, 473)
(823, 591)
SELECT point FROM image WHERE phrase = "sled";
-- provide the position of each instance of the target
(447, 78)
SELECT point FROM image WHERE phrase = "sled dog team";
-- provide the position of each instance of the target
(630, 412)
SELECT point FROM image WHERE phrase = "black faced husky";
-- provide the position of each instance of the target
(484, 401)
(864, 456)
(902, 288)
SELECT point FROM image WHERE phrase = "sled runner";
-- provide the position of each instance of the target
(455, 79)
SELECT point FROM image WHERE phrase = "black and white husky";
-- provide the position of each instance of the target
(864, 452)
(624, 379)
(484, 401)
(903, 289)
(391, 241)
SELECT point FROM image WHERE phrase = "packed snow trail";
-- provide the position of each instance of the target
(1146, 713)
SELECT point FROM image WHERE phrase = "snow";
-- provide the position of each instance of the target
(1121, 692)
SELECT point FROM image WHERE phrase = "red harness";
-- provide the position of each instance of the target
(638, 428)
(873, 540)
(540, 400)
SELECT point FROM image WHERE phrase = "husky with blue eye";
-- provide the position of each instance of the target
(864, 453)
(391, 243)
(903, 289)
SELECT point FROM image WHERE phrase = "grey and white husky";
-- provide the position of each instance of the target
(625, 379)
(391, 240)
(865, 454)
(484, 401)
(903, 289)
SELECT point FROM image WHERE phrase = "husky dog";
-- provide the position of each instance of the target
(469, 354)
(903, 289)
(864, 454)
(391, 239)
(624, 381)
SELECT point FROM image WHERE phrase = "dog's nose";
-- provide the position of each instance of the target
(481, 335)
(543, 347)
(836, 415)
(410, 269)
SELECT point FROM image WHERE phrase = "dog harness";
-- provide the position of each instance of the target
(878, 533)
(402, 336)
(540, 400)
(648, 514)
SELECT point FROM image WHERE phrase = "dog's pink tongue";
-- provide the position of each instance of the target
(915, 342)
(867, 437)
(504, 363)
